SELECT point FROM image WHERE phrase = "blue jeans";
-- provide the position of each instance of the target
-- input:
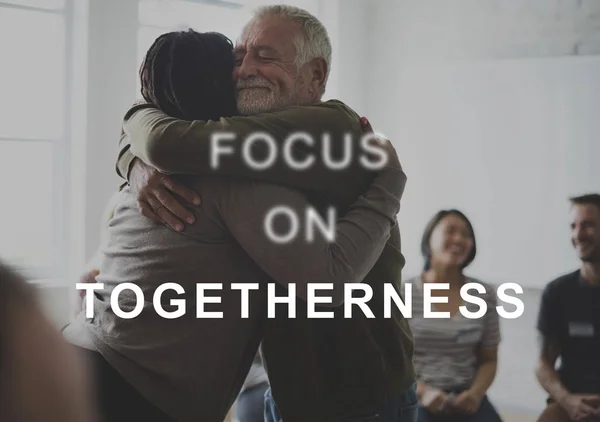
(402, 408)
(271, 411)
(485, 413)
(250, 404)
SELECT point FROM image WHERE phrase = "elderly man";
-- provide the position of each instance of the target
(339, 369)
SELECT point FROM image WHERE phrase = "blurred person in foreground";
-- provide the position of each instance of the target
(189, 368)
(41, 378)
(569, 325)
(455, 357)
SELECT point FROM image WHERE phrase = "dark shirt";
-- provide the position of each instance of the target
(570, 315)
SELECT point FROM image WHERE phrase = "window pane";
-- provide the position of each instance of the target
(178, 14)
(27, 214)
(32, 45)
(42, 4)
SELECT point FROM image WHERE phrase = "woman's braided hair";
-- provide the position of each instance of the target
(188, 75)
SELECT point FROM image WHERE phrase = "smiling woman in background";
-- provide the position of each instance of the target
(455, 357)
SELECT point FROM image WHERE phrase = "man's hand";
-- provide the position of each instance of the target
(467, 402)
(155, 198)
(581, 406)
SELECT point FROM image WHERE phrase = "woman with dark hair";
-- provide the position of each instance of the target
(455, 356)
(188, 75)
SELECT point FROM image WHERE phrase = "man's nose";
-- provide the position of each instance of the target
(246, 69)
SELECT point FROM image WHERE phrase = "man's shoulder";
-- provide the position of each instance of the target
(565, 281)
(340, 106)
(561, 286)
(336, 114)
(332, 108)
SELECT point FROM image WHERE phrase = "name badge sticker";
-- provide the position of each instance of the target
(581, 329)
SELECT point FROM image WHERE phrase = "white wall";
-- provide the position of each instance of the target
(104, 48)
(482, 127)
(112, 61)
(484, 29)
(346, 24)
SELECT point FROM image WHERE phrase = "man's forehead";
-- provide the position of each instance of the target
(269, 32)
(585, 212)
(239, 48)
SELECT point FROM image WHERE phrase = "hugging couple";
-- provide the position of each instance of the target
(179, 220)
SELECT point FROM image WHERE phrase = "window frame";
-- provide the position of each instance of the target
(61, 160)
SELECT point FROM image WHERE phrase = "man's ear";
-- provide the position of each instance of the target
(318, 75)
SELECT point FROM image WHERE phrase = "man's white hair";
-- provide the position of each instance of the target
(313, 41)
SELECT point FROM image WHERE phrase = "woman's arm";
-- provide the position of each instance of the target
(486, 373)
(470, 400)
(487, 356)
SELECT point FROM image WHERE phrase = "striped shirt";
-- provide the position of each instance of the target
(446, 348)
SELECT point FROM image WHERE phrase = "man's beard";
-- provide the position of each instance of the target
(590, 256)
(257, 95)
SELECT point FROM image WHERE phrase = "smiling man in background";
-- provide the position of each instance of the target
(569, 325)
